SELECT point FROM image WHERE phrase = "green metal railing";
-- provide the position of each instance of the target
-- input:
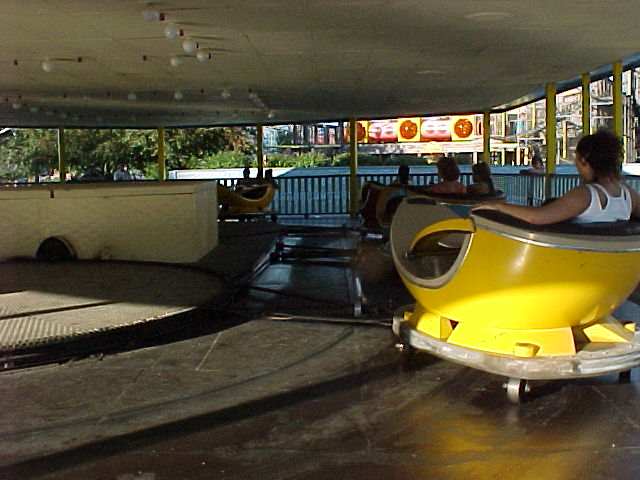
(328, 194)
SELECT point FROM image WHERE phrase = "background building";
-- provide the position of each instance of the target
(515, 134)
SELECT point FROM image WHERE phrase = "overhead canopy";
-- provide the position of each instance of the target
(293, 61)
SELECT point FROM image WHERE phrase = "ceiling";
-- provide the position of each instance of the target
(294, 60)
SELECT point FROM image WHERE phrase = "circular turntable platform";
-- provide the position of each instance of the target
(42, 303)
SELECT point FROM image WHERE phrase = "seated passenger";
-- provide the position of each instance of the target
(449, 174)
(268, 178)
(482, 183)
(246, 180)
(122, 173)
(537, 166)
(403, 176)
(603, 198)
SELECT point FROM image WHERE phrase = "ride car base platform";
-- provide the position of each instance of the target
(591, 359)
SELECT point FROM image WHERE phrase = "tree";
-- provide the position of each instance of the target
(31, 152)
(28, 153)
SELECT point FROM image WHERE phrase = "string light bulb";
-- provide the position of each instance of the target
(47, 66)
(175, 61)
(189, 45)
(203, 56)
(177, 95)
(226, 94)
(151, 15)
(172, 31)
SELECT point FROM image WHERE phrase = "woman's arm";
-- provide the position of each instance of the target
(569, 206)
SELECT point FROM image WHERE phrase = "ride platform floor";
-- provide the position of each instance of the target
(292, 399)
(44, 303)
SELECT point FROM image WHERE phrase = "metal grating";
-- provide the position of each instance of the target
(46, 303)
(16, 332)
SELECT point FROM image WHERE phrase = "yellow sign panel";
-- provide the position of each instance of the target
(463, 127)
(408, 129)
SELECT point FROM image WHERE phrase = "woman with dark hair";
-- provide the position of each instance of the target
(603, 198)
(482, 182)
(449, 174)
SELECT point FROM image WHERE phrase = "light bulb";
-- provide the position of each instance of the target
(203, 56)
(189, 46)
(271, 114)
(132, 96)
(171, 31)
(178, 95)
(226, 94)
(16, 105)
(33, 109)
(151, 15)
(175, 61)
(47, 66)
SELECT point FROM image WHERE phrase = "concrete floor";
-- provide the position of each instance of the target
(265, 399)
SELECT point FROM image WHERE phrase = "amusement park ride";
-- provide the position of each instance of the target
(490, 293)
(514, 299)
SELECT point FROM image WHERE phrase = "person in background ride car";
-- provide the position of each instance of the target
(449, 174)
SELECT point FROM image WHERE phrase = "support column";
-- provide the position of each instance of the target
(550, 121)
(354, 191)
(259, 150)
(486, 137)
(586, 104)
(617, 99)
(565, 139)
(305, 134)
(62, 160)
(162, 165)
(504, 124)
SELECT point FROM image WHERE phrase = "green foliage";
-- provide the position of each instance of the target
(226, 159)
(27, 153)
(151, 171)
(311, 159)
(32, 152)
(193, 147)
